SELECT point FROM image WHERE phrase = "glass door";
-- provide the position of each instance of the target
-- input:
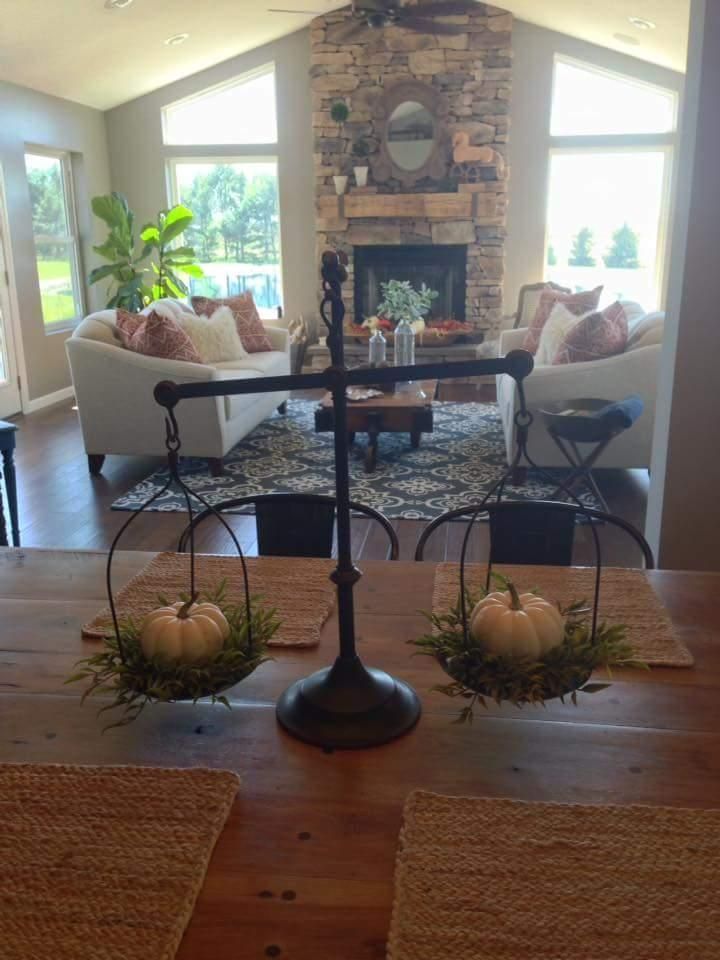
(10, 402)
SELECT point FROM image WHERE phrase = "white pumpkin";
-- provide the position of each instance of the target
(516, 625)
(184, 632)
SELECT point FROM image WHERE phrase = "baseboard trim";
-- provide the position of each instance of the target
(49, 400)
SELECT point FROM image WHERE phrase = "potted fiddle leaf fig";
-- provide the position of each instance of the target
(361, 151)
(171, 260)
(339, 111)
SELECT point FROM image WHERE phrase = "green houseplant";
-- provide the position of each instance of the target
(401, 301)
(339, 112)
(130, 287)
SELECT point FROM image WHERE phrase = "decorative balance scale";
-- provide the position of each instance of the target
(348, 704)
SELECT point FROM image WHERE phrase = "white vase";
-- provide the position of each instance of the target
(361, 176)
(340, 185)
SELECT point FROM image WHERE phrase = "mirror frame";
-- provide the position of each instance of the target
(437, 105)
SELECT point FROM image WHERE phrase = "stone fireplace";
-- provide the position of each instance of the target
(442, 268)
(455, 210)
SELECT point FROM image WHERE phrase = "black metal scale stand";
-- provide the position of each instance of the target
(346, 704)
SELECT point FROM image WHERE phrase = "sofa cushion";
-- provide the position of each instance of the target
(647, 332)
(577, 303)
(215, 338)
(156, 335)
(271, 363)
(558, 324)
(595, 336)
(249, 325)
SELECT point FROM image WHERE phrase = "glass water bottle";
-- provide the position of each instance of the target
(404, 344)
(378, 349)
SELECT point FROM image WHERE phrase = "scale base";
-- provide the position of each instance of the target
(348, 706)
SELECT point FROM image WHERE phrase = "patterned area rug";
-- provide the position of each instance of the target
(454, 465)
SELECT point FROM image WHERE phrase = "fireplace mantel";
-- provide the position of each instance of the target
(475, 206)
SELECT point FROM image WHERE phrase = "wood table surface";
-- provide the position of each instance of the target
(304, 867)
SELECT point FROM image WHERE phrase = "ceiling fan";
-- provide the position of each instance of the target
(377, 14)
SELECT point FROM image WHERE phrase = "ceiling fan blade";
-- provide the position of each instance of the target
(342, 32)
(426, 25)
(440, 8)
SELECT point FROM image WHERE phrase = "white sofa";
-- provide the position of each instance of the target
(633, 372)
(118, 413)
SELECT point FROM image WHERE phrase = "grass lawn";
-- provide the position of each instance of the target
(54, 270)
(57, 307)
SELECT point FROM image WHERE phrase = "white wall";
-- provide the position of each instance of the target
(34, 118)
(137, 155)
(534, 52)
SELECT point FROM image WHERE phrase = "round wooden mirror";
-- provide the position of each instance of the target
(410, 135)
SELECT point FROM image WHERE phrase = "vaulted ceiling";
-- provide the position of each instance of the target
(84, 51)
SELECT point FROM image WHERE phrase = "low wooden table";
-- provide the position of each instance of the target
(304, 867)
(407, 410)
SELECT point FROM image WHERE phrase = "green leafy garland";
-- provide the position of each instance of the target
(139, 680)
(564, 670)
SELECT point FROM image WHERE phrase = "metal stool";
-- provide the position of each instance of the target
(7, 447)
(588, 421)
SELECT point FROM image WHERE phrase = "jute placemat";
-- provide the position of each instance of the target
(625, 597)
(104, 863)
(298, 587)
(480, 879)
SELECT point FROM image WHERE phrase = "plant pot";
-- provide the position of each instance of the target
(340, 185)
(361, 175)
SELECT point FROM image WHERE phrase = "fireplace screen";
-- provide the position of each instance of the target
(442, 268)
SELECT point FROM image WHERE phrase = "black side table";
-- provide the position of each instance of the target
(7, 447)
(588, 421)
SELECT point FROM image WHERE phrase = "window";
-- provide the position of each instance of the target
(230, 183)
(609, 185)
(242, 111)
(236, 230)
(55, 233)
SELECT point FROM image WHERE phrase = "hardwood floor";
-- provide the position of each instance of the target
(61, 505)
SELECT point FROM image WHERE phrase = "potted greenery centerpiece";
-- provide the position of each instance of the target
(194, 648)
(402, 303)
(361, 151)
(521, 648)
(339, 111)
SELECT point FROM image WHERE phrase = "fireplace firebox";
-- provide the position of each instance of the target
(442, 268)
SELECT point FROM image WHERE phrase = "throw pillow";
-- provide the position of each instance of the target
(594, 336)
(577, 303)
(215, 338)
(155, 335)
(249, 325)
(558, 324)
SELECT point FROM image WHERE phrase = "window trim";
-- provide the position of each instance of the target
(72, 239)
(236, 81)
(618, 143)
(173, 194)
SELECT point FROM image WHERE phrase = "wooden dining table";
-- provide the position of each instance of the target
(304, 867)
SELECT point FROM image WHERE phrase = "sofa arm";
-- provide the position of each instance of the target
(279, 338)
(512, 340)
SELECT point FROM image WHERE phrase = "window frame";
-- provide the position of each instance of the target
(173, 193)
(235, 81)
(618, 143)
(71, 240)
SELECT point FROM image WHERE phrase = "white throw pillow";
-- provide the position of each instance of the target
(648, 332)
(215, 337)
(560, 322)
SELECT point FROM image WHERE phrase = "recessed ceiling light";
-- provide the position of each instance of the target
(641, 23)
(176, 39)
(117, 4)
(626, 38)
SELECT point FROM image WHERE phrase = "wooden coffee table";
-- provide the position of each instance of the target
(400, 412)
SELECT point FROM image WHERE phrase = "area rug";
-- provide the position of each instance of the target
(484, 879)
(456, 464)
(101, 862)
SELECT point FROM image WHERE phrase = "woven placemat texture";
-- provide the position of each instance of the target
(484, 879)
(104, 863)
(626, 597)
(298, 587)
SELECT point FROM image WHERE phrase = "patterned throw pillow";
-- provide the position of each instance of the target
(155, 335)
(249, 325)
(558, 324)
(597, 335)
(577, 303)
